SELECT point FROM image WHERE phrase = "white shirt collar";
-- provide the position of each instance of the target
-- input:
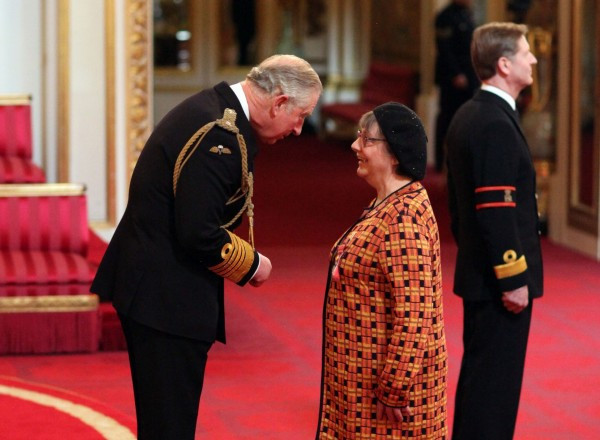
(241, 96)
(501, 93)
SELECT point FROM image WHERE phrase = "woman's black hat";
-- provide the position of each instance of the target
(404, 132)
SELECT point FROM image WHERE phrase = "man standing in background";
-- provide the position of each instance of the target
(454, 72)
(494, 219)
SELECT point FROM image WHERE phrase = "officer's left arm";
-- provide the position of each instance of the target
(496, 160)
(205, 185)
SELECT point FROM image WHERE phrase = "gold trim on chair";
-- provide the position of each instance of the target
(49, 303)
(15, 99)
(41, 189)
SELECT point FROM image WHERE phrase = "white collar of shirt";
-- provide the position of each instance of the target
(501, 93)
(241, 96)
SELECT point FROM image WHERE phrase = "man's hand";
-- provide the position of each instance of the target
(394, 415)
(516, 300)
(263, 272)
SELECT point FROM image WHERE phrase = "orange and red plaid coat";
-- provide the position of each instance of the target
(383, 324)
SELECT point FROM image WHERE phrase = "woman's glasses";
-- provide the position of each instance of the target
(362, 135)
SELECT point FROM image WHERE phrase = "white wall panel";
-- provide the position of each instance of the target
(87, 96)
(21, 58)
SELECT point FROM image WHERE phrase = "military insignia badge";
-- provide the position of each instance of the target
(220, 149)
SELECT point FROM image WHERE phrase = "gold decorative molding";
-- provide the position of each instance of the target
(110, 97)
(15, 99)
(541, 44)
(49, 303)
(64, 95)
(138, 78)
(582, 215)
(41, 189)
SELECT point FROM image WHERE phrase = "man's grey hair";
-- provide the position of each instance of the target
(289, 75)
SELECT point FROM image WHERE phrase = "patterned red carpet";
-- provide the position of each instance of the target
(264, 384)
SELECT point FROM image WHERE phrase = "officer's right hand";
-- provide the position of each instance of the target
(516, 300)
(263, 272)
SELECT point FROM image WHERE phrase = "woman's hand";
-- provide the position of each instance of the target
(393, 414)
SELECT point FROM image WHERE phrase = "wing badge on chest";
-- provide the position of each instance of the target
(220, 149)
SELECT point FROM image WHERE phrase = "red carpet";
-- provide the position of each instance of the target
(32, 411)
(265, 383)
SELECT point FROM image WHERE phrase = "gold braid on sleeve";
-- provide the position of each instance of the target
(237, 256)
(512, 265)
(227, 122)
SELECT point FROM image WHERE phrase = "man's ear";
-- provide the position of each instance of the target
(279, 103)
(503, 66)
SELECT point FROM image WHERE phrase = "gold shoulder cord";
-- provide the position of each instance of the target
(227, 122)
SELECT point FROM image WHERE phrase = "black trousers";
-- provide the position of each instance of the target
(491, 373)
(167, 373)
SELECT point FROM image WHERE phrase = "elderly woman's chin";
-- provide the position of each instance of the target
(365, 175)
(361, 171)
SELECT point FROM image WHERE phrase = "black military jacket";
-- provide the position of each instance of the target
(166, 262)
(492, 185)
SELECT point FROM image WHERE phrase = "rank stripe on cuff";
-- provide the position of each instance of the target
(238, 257)
(494, 188)
(511, 269)
(496, 205)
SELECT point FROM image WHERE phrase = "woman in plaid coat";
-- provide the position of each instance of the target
(384, 350)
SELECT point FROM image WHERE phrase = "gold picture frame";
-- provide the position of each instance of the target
(584, 124)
